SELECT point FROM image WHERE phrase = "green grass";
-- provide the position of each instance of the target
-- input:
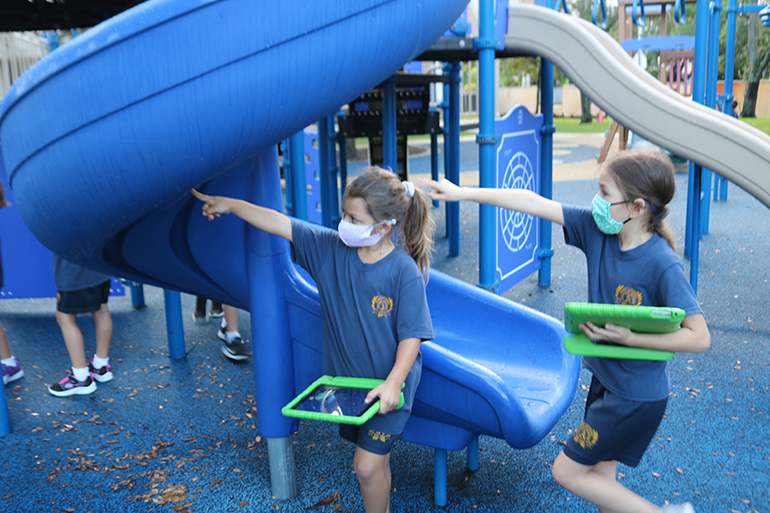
(762, 124)
(574, 126)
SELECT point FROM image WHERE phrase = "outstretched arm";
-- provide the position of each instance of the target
(520, 200)
(263, 218)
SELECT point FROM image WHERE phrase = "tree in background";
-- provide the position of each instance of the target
(582, 8)
(751, 63)
(751, 59)
(752, 52)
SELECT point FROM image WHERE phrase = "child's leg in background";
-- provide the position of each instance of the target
(103, 322)
(373, 473)
(5, 350)
(231, 318)
(10, 366)
(73, 339)
(233, 346)
(598, 485)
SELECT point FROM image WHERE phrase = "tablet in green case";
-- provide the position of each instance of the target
(641, 319)
(336, 399)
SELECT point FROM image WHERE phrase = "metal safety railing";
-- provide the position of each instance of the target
(18, 52)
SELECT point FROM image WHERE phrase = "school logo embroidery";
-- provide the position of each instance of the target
(586, 436)
(378, 436)
(627, 296)
(382, 306)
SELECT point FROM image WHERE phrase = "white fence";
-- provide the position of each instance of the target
(18, 52)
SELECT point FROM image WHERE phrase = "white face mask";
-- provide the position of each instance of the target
(360, 235)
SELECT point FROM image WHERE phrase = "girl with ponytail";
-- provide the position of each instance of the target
(631, 261)
(370, 278)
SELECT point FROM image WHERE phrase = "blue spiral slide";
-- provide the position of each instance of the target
(103, 139)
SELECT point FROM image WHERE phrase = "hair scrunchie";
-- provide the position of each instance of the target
(409, 188)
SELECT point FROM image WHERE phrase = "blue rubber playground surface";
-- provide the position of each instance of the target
(184, 435)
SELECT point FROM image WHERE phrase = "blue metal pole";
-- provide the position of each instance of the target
(694, 190)
(298, 175)
(712, 68)
(333, 170)
(485, 45)
(453, 170)
(323, 171)
(5, 419)
(473, 455)
(439, 476)
(434, 161)
(732, 8)
(447, 142)
(137, 295)
(342, 141)
(286, 164)
(266, 258)
(546, 164)
(174, 324)
(389, 156)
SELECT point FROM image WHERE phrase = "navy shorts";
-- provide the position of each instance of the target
(83, 300)
(368, 439)
(614, 428)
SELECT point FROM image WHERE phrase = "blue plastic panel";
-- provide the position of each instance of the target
(517, 166)
(27, 264)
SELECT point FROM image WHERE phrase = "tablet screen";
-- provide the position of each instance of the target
(335, 401)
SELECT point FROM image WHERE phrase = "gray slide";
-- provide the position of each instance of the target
(597, 64)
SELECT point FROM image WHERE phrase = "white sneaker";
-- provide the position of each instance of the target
(679, 508)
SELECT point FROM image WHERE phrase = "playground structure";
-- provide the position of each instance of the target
(142, 224)
(147, 228)
(675, 65)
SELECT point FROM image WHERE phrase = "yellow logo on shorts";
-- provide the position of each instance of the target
(627, 296)
(378, 436)
(382, 306)
(586, 436)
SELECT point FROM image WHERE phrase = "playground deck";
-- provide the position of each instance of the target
(183, 435)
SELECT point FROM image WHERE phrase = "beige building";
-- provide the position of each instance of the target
(567, 99)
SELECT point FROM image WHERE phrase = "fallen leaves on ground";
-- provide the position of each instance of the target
(326, 501)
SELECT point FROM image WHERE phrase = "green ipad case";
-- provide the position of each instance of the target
(641, 319)
(336, 399)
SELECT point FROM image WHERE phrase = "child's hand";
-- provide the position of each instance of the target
(443, 190)
(390, 396)
(610, 332)
(213, 206)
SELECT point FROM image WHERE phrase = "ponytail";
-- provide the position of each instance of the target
(417, 230)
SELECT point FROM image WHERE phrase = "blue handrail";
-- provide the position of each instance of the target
(679, 14)
(563, 5)
(764, 16)
(604, 14)
(638, 4)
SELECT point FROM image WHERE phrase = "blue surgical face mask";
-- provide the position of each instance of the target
(600, 208)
